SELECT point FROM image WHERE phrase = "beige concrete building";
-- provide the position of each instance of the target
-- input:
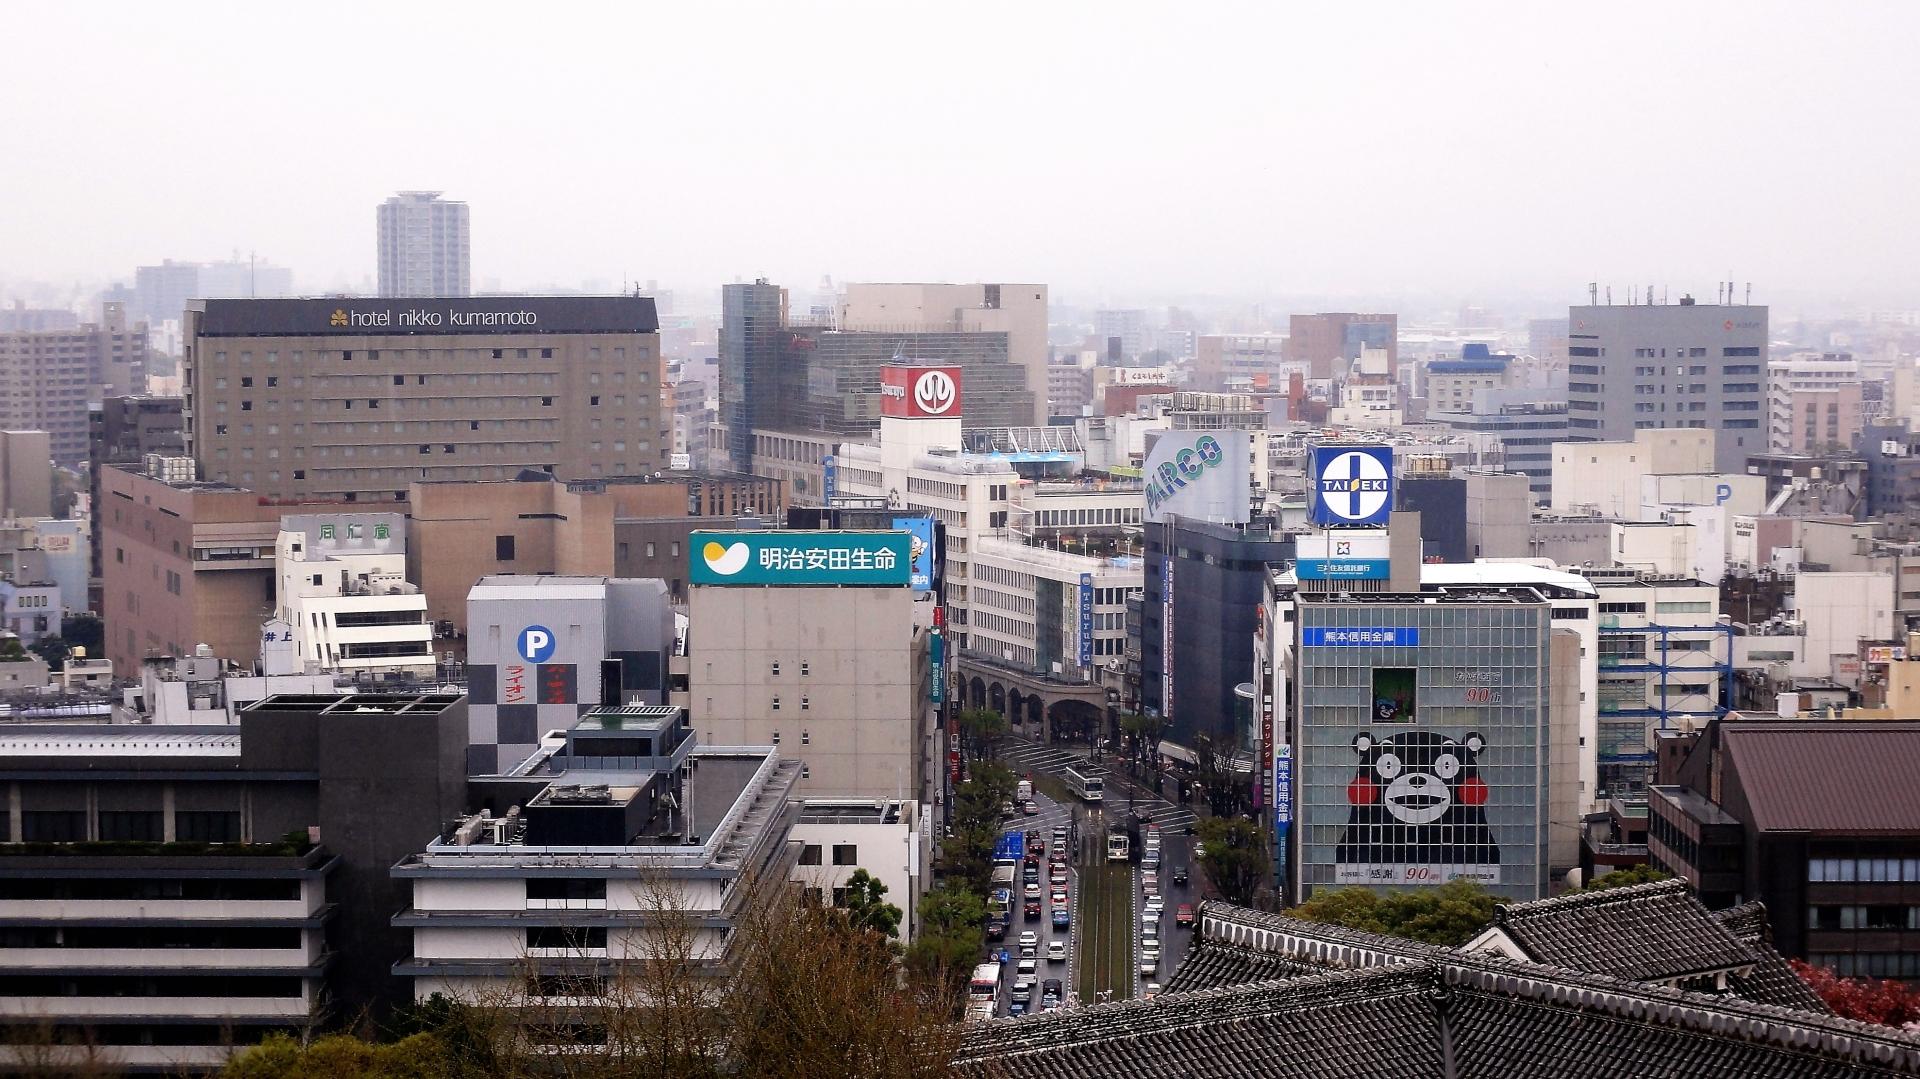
(1019, 311)
(26, 474)
(462, 532)
(836, 677)
(356, 399)
(1604, 478)
(183, 564)
(48, 376)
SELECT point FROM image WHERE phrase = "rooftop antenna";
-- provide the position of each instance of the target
(1609, 295)
(1593, 293)
(1749, 298)
(1649, 295)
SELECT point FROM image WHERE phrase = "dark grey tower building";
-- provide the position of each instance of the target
(752, 317)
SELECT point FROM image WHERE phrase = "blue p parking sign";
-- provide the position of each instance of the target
(536, 644)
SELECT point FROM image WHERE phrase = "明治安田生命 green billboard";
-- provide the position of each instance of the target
(873, 558)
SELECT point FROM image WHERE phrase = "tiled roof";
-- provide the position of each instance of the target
(1408, 1009)
(1216, 964)
(1771, 981)
(1642, 932)
(1828, 776)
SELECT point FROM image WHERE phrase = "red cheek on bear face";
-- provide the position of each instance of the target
(1362, 791)
(1473, 792)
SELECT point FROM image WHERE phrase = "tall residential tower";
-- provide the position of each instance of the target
(423, 246)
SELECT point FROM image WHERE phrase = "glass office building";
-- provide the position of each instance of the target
(1420, 741)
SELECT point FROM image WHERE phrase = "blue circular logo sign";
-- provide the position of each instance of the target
(536, 644)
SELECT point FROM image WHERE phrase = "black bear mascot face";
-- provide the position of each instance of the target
(1417, 776)
(1418, 800)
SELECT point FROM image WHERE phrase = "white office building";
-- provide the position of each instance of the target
(345, 597)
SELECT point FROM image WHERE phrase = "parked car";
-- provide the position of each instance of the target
(1183, 914)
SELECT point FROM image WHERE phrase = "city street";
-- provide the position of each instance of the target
(1107, 924)
(1052, 815)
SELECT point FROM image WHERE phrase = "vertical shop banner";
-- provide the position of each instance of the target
(1086, 620)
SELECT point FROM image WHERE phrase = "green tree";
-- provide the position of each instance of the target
(1239, 857)
(948, 943)
(85, 631)
(10, 650)
(983, 729)
(1451, 914)
(1621, 878)
(52, 649)
(861, 899)
(1142, 731)
(976, 823)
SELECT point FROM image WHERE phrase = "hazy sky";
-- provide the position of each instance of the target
(1110, 149)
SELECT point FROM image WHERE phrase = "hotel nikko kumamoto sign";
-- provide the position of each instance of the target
(874, 558)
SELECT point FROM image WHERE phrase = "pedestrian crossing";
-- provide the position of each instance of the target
(1022, 755)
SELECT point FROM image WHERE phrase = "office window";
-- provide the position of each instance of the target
(810, 854)
(846, 854)
(576, 888)
(776, 707)
(503, 548)
(53, 825)
(567, 937)
(207, 827)
(145, 826)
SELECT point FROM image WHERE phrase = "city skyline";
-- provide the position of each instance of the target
(1430, 160)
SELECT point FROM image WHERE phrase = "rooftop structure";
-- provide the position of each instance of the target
(1267, 994)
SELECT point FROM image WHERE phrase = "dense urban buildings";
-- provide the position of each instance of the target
(1660, 366)
(162, 293)
(1328, 343)
(791, 392)
(47, 377)
(353, 400)
(424, 246)
(1019, 311)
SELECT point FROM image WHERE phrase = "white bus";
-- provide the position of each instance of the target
(985, 984)
(1088, 787)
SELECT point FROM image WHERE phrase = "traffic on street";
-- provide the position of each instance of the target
(1093, 889)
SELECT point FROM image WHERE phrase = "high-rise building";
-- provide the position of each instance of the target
(1813, 403)
(790, 392)
(26, 475)
(344, 595)
(423, 246)
(1019, 311)
(354, 400)
(825, 663)
(1653, 366)
(751, 320)
(1127, 325)
(123, 430)
(161, 293)
(1327, 343)
(47, 377)
(1242, 361)
(20, 317)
